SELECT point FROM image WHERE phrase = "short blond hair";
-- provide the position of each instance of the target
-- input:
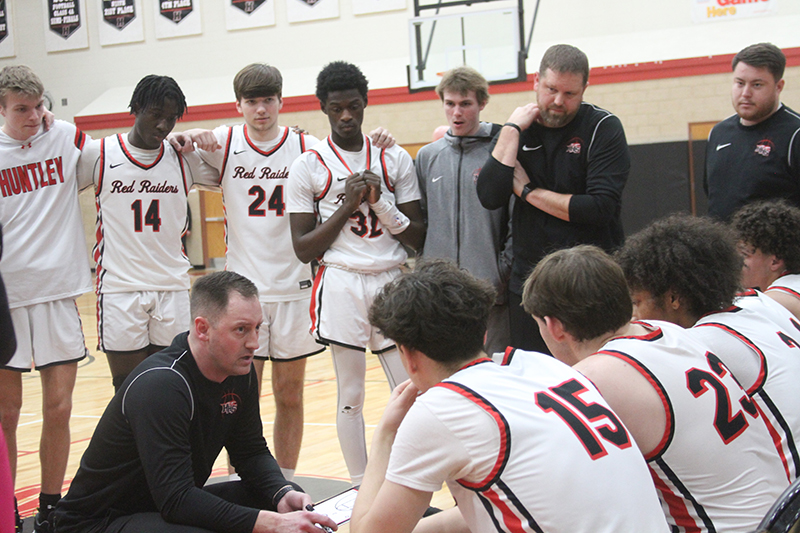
(462, 80)
(19, 79)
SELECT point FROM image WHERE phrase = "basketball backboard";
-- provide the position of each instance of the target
(489, 40)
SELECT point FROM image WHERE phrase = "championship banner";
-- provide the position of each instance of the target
(303, 10)
(65, 25)
(176, 18)
(241, 14)
(716, 10)
(362, 7)
(6, 39)
(120, 21)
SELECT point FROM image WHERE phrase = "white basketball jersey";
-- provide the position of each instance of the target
(254, 178)
(788, 283)
(753, 341)
(44, 251)
(141, 215)
(318, 186)
(717, 467)
(559, 459)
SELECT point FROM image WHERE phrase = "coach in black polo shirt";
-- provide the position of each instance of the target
(754, 154)
(572, 163)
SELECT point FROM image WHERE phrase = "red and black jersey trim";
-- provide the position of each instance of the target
(227, 153)
(330, 176)
(787, 431)
(508, 356)
(669, 429)
(682, 520)
(389, 186)
(511, 522)
(502, 424)
(133, 159)
(186, 185)
(654, 334)
(273, 149)
(341, 159)
(101, 163)
(762, 371)
(787, 290)
(302, 137)
(492, 492)
(80, 139)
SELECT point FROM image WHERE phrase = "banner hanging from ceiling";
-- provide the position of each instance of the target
(6, 39)
(120, 21)
(242, 14)
(176, 18)
(65, 25)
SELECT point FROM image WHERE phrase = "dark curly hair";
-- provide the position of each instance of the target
(340, 76)
(772, 227)
(583, 288)
(694, 257)
(152, 90)
(438, 309)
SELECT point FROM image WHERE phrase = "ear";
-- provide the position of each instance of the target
(322, 107)
(535, 81)
(410, 358)
(280, 103)
(672, 300)
(777, 265)
(555, 328)
(779, 85)
(201, 327)
(239, 107)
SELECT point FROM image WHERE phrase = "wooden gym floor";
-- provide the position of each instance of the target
(320, 455)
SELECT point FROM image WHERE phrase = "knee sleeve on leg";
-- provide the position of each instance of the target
(393, 367)
(350, 366)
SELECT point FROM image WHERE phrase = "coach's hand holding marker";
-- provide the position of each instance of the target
(310, 508)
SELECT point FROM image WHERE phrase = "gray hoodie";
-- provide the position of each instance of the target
(459, 227)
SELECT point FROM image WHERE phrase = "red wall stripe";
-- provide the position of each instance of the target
(653, 70)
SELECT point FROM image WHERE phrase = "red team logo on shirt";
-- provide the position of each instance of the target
(230, 403)
(574, 146)
(764, 147)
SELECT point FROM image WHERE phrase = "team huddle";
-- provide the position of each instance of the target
(648, 383)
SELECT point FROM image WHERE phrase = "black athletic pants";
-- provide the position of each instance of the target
(524, 329)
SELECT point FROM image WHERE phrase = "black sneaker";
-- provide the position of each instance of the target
(41, 525)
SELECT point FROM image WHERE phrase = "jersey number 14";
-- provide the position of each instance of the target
(152, 217)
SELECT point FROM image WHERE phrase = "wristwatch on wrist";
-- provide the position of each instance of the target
(526, 190)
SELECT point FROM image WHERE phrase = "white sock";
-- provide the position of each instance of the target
(351, 367)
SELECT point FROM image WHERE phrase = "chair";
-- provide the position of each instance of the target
(784, 515)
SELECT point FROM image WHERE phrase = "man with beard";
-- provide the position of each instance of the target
(753, 155)
(568, 162)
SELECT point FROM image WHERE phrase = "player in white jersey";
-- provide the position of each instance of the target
(141, 183)
(352, 205)
(499, 436)
(768, 239)
(45, 267)
(786, 290)
(253, 161)
(686, 270)
(710, 448)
